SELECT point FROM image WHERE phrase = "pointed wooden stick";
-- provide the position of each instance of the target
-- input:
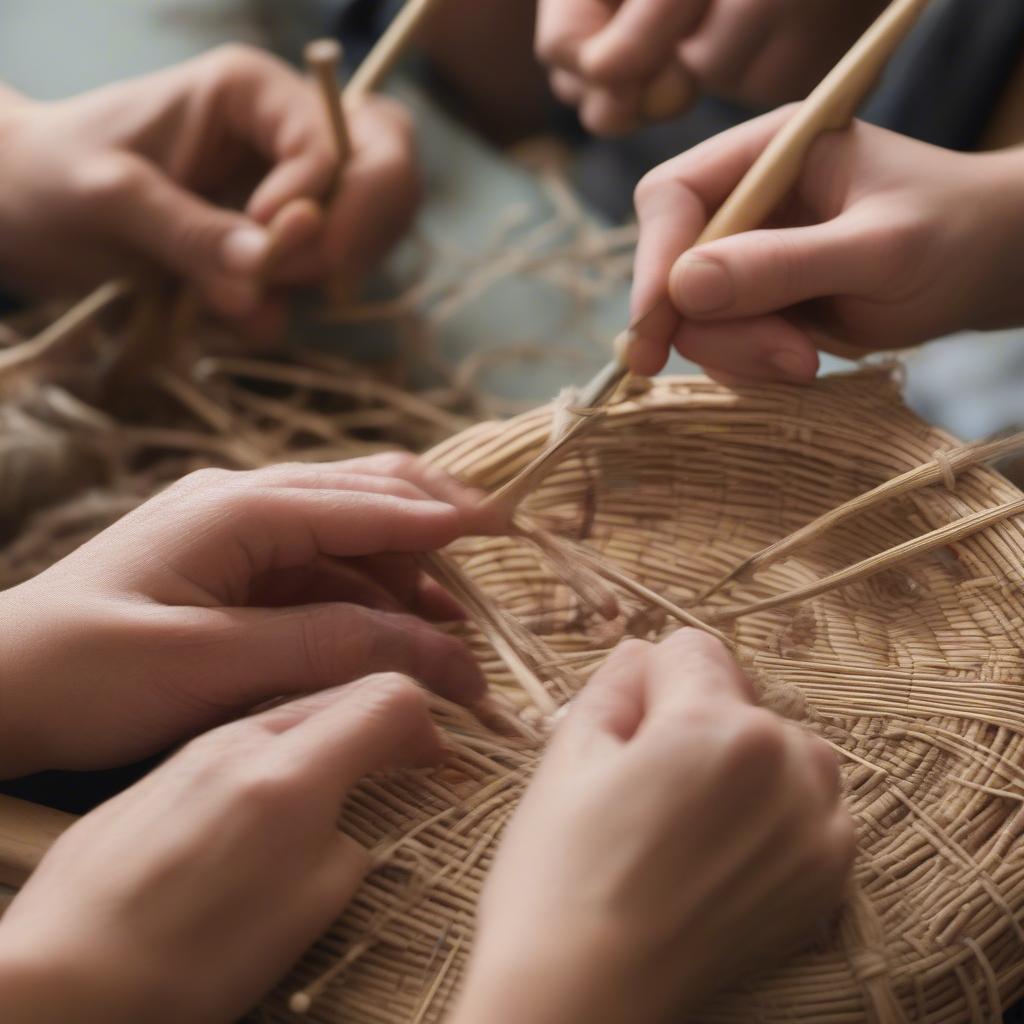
(323, 58)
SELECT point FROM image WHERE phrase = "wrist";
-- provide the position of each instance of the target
(568, 982)
(44, 981)
(998, 298)
(23, 747)
(34, 991)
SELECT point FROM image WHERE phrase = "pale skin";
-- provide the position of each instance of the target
(191, 893)
(624, 62)
(229, 854)
(200, 170)
(884, 243)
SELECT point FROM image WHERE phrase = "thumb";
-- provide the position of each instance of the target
(221, 251)
(768, 271)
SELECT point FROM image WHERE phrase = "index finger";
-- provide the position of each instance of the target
(340, 737)
(674, 203)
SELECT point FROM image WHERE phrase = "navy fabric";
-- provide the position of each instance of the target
(944, 85)
(9, 304)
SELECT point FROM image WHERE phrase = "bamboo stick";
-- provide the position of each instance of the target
(323, 58)
(27, 831)
(390, 47)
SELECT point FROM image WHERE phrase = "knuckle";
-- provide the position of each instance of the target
(208, 479)
(392, 693)
(700, 643)
(235, 58)
(630, 652)
(108, 177)
(259, 784)
(393, 116)
(323, 642)
(397, 464)
(755, 745)
(648, 189)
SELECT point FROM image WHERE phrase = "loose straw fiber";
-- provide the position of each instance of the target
(915, 674)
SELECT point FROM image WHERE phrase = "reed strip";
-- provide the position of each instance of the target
(960, 530)
(942, 469)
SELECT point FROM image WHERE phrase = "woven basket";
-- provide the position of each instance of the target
(915, 673)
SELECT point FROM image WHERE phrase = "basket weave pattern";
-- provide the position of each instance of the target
(915, 675)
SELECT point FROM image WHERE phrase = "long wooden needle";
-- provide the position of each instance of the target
(830, 107)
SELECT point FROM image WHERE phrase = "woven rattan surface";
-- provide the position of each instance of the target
(915, 674)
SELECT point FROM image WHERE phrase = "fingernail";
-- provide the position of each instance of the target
(703, 285)
(245, 249)
(791, 365)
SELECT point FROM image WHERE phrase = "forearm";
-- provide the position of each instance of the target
(33, 992)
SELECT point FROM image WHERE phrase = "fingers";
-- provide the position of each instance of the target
(639, 680)
(770, 270)
(142, 208)
(691, 665)
(380, 473)
(340, 737)
(374, 202)
(639, 40)
(563, 26)
(759, 348)
(252, 655)
(729, 38)
(612, 703)
(674, 203)
(261, 102)
(275, 528)
(610, 112)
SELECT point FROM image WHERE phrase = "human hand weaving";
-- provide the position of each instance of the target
(429, 757)
(144, 172)
(868, 253)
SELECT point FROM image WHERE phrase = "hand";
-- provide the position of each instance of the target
(674, 836)
(226, 590)
(884, 243)
(185, 897)
(138, 171)
(626, 61)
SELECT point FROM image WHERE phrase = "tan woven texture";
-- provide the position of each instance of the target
(914, 672)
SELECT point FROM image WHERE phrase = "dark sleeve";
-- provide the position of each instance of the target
(944, 85)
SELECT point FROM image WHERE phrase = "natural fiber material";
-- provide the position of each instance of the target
(914, 674)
